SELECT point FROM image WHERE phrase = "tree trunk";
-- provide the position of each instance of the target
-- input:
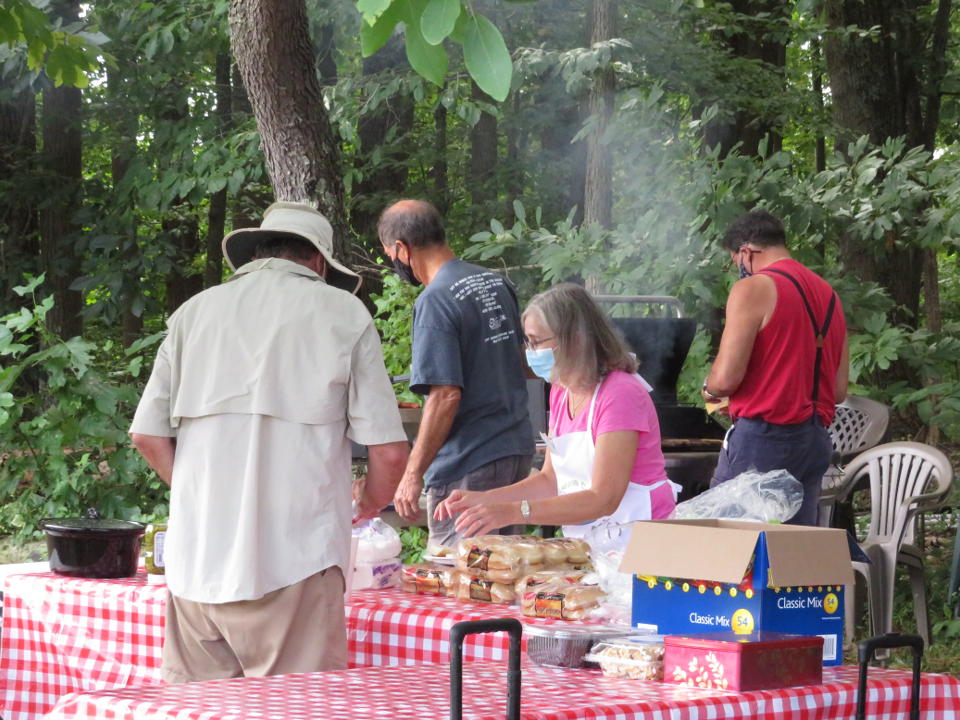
(217, 215)
(598, 191)
(272, 48)
(19, 250)
(441, 183)
(598, 183)
(483, 156)
(878, 89)
(123, 149)
(326, 55)
(385, 180)
(62, 165)
(743, 127)
(248, 205)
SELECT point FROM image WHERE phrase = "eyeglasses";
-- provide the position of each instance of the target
(534, 344)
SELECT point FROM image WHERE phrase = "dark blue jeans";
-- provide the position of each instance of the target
(803, 450)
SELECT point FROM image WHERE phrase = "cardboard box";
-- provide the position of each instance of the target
(696, 576)
(727, 661)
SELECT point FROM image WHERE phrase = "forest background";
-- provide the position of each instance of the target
(608, 143)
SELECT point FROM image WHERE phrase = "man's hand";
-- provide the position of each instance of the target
(407, 498)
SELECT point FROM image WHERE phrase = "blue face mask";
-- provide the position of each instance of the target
(744, 273)
(541, 362)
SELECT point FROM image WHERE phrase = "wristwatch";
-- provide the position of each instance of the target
(525, 509)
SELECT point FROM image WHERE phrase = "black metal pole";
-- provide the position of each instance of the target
(473, 627)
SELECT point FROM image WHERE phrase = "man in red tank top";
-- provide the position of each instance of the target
(783, 362)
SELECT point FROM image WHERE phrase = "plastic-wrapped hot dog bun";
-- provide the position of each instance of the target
(474, 589)
(509, 555)
(429, 579)
(561, 600)
(542, 577)
(554, 553)
(575, 551)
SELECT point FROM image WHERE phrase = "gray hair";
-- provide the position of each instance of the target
(588, 346)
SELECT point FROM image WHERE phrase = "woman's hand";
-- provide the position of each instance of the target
(456, 502)
(481, 519)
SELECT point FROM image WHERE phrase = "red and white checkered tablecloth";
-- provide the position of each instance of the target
(392, 627)
(421, 692)
(62, 635)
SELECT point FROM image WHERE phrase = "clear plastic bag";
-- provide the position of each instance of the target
(376, 541)
(774, 496)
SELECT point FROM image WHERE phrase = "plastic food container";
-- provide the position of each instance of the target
(93, 547)
(566, 645)
(759, 661)
(639, 657)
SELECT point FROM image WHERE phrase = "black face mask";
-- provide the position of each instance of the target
(744, 273)
(405, 272)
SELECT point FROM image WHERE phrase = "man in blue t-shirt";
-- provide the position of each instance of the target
(475, 432)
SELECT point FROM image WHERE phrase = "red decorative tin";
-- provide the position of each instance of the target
(759, 661)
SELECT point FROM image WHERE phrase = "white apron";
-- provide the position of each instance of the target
(572, 457)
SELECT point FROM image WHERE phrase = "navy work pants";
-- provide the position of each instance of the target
(803, 450)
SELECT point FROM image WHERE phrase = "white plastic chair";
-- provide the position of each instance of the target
(858, 425)
(906, 479)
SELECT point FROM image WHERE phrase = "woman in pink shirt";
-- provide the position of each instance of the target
(603, 465)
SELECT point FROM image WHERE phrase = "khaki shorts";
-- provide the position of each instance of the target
(299, 628)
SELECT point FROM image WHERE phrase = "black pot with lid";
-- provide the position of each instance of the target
(93, 546)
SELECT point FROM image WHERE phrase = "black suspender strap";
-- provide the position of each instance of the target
(819, 332)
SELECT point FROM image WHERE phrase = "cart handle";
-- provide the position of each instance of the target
(458, 633)
(865, 653)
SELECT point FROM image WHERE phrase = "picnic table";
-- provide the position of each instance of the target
(416, 692)
(75, 647)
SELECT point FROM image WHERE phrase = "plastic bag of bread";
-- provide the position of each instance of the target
(429, 579)
(573, 551)
(506, 556)
(561, 600)
(542, 577)
(472, 589)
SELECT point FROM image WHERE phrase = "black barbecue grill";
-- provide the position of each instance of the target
(690, 439)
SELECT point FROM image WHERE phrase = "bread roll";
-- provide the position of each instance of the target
(507, 556)
(532, 580)
(475, 590)
(561, 600)
(577, 551)
(428, 578)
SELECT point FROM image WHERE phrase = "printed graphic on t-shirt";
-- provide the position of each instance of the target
(482, 289)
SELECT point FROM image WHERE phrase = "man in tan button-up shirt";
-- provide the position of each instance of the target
(254, 397)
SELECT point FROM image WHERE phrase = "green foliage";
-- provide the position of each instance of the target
(413, 543)
(394, 321)
(63, 425)
(65, 53)
(426, 26)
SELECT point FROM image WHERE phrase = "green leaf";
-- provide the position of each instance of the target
(373, 9)
(236, 181)
(438, 20)
(487, 58)
(9, 27)
(428, 60)
(375, 36)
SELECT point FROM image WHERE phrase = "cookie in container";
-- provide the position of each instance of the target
(639, 657)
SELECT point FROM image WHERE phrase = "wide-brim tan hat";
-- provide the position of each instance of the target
(290, 218)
